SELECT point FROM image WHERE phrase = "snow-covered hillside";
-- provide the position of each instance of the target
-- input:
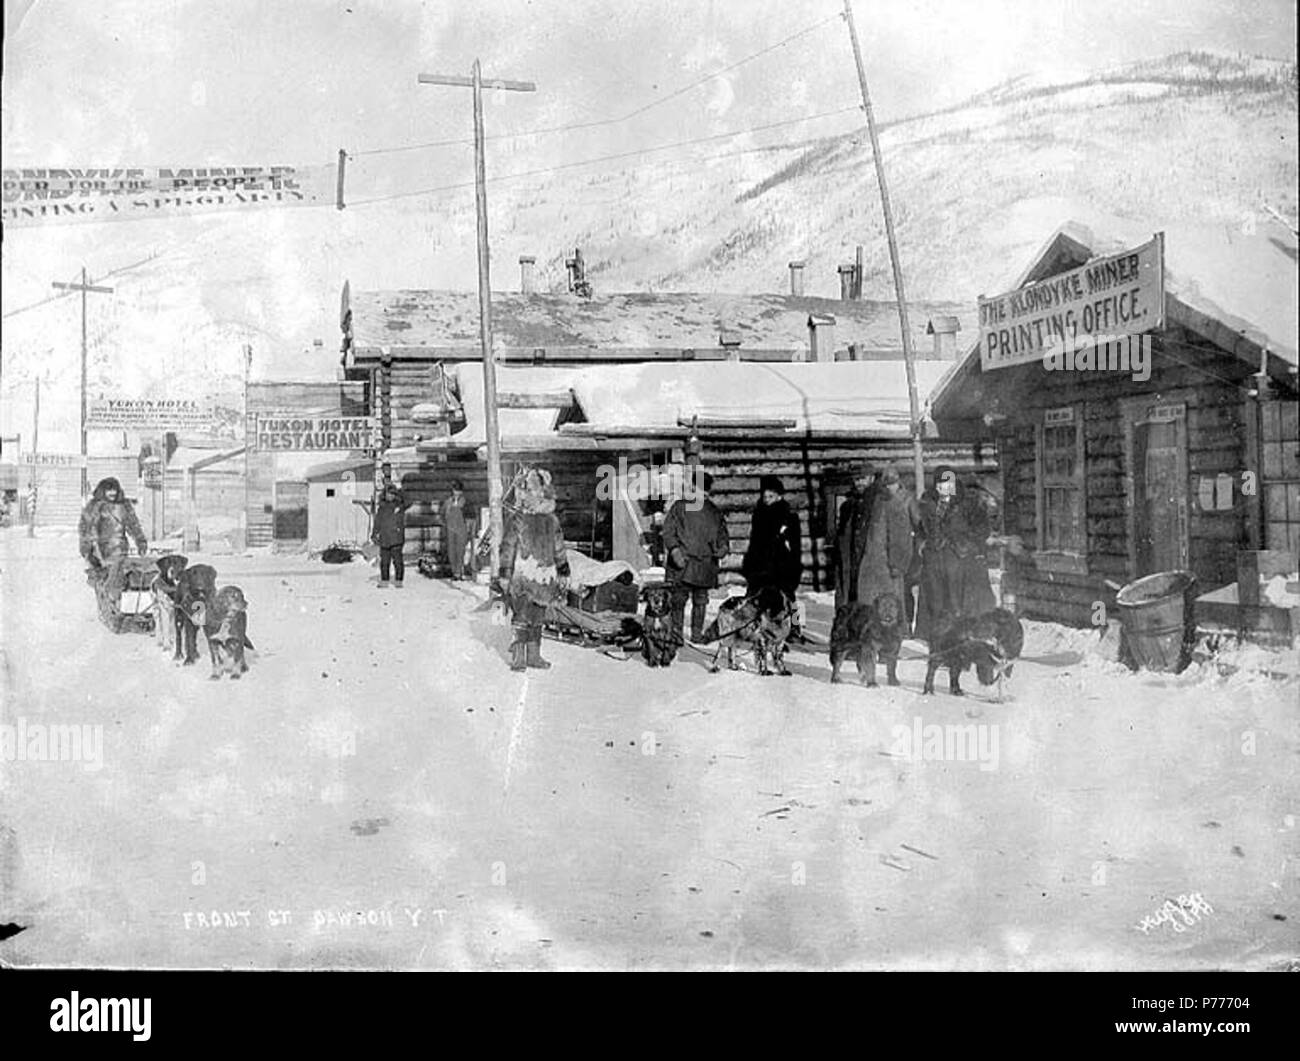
(976, 190)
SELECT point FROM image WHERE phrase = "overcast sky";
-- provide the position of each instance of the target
(189, 82)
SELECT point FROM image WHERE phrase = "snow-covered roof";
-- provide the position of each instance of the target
(333, 471)
(446, 323)
(866, 399)
(188, 456)
(1243, 276)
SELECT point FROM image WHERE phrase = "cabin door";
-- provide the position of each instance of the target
(638, 505)
(1160, 488)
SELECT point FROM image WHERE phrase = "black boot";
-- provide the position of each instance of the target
(534, 655)
(518, 652)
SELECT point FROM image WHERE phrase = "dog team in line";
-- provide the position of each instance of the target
(886, 542)
(185, 599)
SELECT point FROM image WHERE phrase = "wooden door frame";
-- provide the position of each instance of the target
(1135, 412)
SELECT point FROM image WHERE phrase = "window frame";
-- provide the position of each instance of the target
(1274, 414)
(1070, 556)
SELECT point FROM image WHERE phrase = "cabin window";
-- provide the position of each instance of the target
(1061, 525)
(329, 491)
(1280, 443)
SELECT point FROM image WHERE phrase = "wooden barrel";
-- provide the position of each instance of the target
(1158, 620)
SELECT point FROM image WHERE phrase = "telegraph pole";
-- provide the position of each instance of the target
(36, 449)
(918, 461)
(495, 491)
(83, 287)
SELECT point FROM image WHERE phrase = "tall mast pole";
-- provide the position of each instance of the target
(918, 460)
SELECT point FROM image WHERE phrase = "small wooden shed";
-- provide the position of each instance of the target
(339, 497)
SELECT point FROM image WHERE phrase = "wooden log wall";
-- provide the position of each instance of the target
(1203, 380)
(408, 384)
(806, 469)
(427, 483)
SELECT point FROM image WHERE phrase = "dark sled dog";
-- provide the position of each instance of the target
(990, 642)
(762, 621)
(865, 633)
(195, 585)
(225, 625)
(659, 640)
(164, 599)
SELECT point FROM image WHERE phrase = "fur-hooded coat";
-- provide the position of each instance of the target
(107, 527)
(532, 547)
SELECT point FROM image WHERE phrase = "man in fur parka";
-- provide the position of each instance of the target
(534, 570)
(108, 526)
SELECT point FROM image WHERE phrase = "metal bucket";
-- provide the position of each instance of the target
(1158, 617)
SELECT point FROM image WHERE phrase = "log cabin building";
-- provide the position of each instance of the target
(1111, 473)
(803, 388)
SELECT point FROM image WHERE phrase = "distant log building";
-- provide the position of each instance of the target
(803, 388)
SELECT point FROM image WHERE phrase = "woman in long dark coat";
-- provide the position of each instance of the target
(775, 553)
(954, 573)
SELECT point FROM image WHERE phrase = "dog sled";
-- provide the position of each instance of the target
(601, 604)
(130, 610)
(604, 629)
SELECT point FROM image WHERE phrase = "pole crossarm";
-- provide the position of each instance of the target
(82, 287)
(468, 82)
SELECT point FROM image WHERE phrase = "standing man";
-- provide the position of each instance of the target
(851, 536)
(912, 580)
(107, 522)
(390, 531)
(695, 539)
(456, 527)
(889, 547)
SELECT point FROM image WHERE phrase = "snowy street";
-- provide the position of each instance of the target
(380, 791)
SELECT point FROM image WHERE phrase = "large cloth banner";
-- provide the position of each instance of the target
(62, 196)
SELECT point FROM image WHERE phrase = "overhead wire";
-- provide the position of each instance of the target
(604, 122)
(77, 276)
(460, 185)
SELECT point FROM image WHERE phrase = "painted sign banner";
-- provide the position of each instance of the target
(150, 414)
(1107, 299)
(296, 432)
(52, 460)
(52, 196)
